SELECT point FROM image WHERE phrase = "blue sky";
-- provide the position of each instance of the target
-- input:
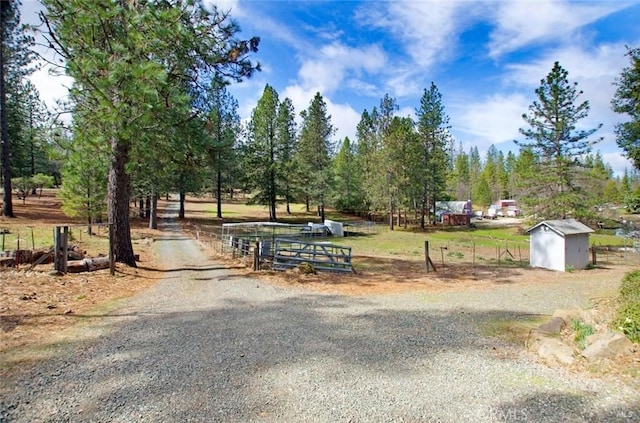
(486, 58)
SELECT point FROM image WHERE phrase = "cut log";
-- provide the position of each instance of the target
(7, 262)
(41, 257)
(88, 265)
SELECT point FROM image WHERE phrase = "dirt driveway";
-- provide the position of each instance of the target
(208, 344)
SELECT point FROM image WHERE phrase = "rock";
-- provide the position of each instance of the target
(599, 336)
(567, 315)
(51, 306)
(553, 348)
(607, 346)
(555, 325)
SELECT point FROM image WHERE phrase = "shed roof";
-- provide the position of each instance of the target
(564, 227)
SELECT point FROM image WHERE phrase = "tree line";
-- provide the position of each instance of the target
(151, 114)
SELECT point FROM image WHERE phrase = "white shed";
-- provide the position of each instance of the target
(559, 244)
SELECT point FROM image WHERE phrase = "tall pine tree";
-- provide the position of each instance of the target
(552, 136)
(315, 152)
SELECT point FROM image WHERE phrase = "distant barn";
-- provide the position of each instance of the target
(559, 244)
(455, 213)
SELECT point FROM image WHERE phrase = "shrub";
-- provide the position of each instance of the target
(628, 317)
(582, 331)
(630, 287)
(306, 268)
(628, 320)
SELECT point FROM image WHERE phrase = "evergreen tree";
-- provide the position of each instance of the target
(315, 151)
(15, 56)
(462, 184)
(435, 141)
(553, 137)
(130, 62)
(347, 177)
(222, 125)
(626, 100)
(367, 154)
(261, 151)
(287, 145)
(475, 169)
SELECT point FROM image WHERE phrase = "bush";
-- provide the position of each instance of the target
(628, 317)
(582, 330)
(628, 320)
(630, 287)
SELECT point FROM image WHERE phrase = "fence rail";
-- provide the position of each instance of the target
(442, 253)
(290, 254)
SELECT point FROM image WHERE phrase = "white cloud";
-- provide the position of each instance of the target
(343, 117)
(494, 120)
(225, 6)
(326, 71)
(426, 29)
(617, 162)
(520, 23)
(594, 70)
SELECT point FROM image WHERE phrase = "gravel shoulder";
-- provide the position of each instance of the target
(206, 344)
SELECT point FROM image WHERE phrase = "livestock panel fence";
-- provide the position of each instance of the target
(323, 256)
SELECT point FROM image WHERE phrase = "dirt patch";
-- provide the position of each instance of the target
(36, 307)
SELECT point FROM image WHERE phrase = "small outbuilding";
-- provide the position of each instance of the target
(559, 244)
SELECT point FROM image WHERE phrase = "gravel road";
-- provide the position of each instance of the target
(206, 345)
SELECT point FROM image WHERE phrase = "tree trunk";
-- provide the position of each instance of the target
(182, 198)
(147, 208)
(219, 189)
(391, 215)
(7, 205)
(423, 207)
(153, 215)
(141, 207)
(306, 202)
(118, 202)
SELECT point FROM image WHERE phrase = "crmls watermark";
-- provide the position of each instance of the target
(625, 413)
(502, 414)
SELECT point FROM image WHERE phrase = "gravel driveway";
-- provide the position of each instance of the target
(206, 345)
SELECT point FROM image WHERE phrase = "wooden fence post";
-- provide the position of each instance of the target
(427, 258)
(256, 256)
(112, 258)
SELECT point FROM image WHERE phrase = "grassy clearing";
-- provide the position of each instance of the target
(484, 243)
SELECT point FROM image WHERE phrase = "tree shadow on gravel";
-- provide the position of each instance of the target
(555, 407)
(306, 357)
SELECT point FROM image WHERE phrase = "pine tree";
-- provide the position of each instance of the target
(15, 57)
(626, 100)
(287, 145)
(348, 191)
(132, 63)
(433, 131)
(261, 151)
(552, 136)
(315, 151)
(222, 125)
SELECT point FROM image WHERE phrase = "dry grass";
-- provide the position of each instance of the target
(36, 307)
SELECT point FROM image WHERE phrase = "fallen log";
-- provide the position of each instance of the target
(87, 265)
(7, 262)
(43, 257)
